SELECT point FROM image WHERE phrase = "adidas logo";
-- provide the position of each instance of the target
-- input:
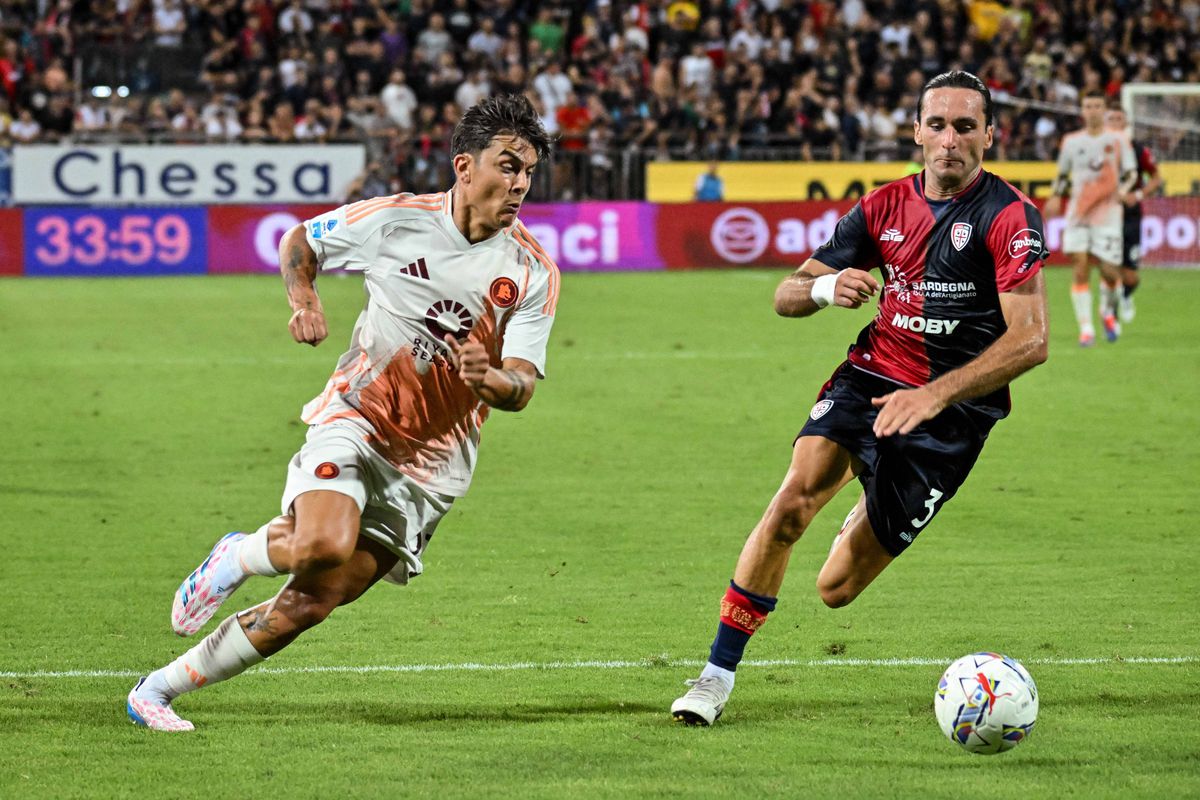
(417, 269)
(891, 235)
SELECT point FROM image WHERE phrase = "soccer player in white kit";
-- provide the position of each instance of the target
(460, 302)
(1097, 167)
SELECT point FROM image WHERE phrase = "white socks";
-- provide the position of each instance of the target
(222, 654)
(1081, 299)
(1109, 297)
(253, 556)
(711, 670)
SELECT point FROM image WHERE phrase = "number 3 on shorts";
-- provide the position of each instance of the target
(931, 503)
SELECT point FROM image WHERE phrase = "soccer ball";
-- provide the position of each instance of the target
(987, 702)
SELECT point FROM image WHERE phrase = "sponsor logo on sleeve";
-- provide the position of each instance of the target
(327, 470)
(1025, 243)
(320, 228)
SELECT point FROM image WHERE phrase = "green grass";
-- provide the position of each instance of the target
(147, 417)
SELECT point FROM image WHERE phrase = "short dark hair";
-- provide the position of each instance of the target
(505, 114)
(1090, 93)
(958, 79)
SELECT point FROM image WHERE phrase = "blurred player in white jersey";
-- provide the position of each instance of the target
(460, 302)
(1096, 167)
(1147, 183)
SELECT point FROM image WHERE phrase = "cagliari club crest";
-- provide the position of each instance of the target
(960, 234)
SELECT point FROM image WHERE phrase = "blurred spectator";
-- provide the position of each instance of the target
(170, 22)
(25, 129)
(485, 41)
(399, 100)
(710, 187)
(475, 88)
(553, 88)
(295, 21)
(547, 33)
(434, 40)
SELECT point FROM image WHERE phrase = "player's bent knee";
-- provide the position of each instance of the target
(836, 594)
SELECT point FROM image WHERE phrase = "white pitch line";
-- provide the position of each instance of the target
(640, 664)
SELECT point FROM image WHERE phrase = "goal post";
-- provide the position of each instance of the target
(1165, 117)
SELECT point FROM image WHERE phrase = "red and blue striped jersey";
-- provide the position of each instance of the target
(944, 266)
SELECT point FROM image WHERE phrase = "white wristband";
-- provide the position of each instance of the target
(822, 289)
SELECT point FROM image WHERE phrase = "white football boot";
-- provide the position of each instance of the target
(703, 703)
(156, 716)
(203, 592)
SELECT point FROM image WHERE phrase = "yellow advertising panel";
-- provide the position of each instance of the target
(765, 181)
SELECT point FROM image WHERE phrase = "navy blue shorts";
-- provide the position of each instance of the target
(907, 479)
(1131, 247)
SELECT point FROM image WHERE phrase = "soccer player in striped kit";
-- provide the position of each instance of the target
(460, 302)
(962, 313)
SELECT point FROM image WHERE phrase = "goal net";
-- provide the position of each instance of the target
(1165, 117)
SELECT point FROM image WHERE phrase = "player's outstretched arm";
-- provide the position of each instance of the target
(816, 285)
(507, 388)
(298, 265)
(1019, 349)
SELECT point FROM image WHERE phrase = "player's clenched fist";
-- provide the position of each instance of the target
(854, 287)
(308, 326)
(470, 359)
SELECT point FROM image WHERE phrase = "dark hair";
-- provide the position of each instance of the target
(958, 79)
(506, 114)
(1090, 93)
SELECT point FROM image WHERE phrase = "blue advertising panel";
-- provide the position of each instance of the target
(116, 241)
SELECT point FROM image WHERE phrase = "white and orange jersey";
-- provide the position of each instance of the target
(1095, 164)
(424, 280)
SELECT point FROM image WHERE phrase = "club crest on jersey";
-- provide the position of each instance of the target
(820, 409)
(503, 292)
(960, 234)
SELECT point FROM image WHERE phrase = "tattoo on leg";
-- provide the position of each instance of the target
(260, 619)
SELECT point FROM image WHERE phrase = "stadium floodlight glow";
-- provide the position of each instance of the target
(122, 91)
(101, 91)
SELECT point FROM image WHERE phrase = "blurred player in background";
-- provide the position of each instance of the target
(1096, 167)
(963, 313)
(460, 302)
(1148, 182)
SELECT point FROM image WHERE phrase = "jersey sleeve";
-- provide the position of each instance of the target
(1017, 244)
(1129, 159)
(528, 329)
(851, 244)
(337, 243)
(1063, 168)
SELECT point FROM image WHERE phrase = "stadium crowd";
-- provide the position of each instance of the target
(696, 79)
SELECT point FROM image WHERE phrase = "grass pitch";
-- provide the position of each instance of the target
(148, 417)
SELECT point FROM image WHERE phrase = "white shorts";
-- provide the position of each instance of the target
(1102, 241)
(396, 511)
